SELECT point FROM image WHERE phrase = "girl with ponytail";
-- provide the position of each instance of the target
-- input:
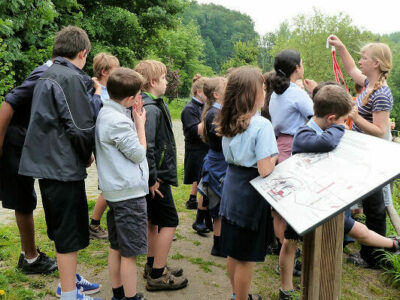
(370, 116)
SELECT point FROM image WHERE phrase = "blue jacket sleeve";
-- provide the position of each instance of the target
(307, 140)
(22, 94)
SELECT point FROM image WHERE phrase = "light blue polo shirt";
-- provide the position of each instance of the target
(290, 110)
(255, 143)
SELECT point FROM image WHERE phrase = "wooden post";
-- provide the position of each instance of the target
(322, 261)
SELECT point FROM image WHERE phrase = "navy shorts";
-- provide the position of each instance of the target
(193, 165)
(162, 211)
(127, 226)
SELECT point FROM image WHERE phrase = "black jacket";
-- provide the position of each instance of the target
(60, 136)
(161, 148)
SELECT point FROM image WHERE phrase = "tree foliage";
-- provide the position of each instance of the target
(220, 28)
(244, 53)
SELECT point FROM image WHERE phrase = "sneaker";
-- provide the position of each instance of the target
(174, 238)
(357, 260)
(83, 285)
(288, 295)
(177, 272)
(191, 203)
(200, 228)
(82, 296)
(97, 232)
(42, 265)
(166, 282)
(20, 261)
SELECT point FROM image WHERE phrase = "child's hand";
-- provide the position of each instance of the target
(154, 189)
(91, 160)
(354, 113)
(139, 113)
(310, 84)
(97, 85)
(333, 40)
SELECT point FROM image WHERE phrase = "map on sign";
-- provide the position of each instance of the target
(309, 188)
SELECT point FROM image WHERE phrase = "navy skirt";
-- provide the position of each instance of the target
(246, 228)
(193, 164)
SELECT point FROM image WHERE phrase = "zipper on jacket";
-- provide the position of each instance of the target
(162, 156)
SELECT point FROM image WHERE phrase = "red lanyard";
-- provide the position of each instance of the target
(336, 70)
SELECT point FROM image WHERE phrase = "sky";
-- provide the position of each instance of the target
(269, 14)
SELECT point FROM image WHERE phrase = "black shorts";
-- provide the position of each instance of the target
(16, 191)
(162, 211)
(66, 212)
(127, 226)
(193, 165)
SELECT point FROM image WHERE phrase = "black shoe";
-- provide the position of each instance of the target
(200, 228)
(191, 203)
(43, 265)
(20, 261)
(357, 260)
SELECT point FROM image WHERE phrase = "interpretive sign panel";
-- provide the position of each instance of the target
(309, 188)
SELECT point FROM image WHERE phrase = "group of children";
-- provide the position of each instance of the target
(59, 120)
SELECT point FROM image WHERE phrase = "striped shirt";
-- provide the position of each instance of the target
(380, 100)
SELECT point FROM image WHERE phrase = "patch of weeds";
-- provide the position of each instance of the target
(204, 264)
(392, 274)
(196, 243)
(178, 236)
(374, 289)
(177, 256)
(37, 284)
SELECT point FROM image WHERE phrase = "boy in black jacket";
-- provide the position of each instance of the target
(58, 148)
(161, 158)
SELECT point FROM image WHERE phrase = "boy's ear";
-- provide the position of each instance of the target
(331, 118)
(82, 54)
(152, 82)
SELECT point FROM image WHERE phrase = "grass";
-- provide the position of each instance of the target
(175, 107)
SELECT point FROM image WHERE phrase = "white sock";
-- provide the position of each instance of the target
(23, 253)
(69, 295)
(32, 260)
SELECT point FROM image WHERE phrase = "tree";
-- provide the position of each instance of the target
(308, 35)
(185, 47)
(220, 28)
(244, 53)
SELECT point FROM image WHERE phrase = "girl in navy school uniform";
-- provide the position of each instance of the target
(214, 166)
(250, 148)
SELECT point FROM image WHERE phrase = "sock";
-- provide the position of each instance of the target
(118, 292)
(94, 222)
(69, 295)
(193, 197)
(23, 253)
(156, 273)
(200, 216)
(216, 242)
(150, 261)
(32, 260)
(233, 296)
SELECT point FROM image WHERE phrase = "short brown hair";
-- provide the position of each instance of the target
(150, 70)
(243, 88)
(124, 82)
(104, 62)
(70, 41)
(332, 99)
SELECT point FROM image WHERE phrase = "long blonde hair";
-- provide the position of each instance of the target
(382, 54)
